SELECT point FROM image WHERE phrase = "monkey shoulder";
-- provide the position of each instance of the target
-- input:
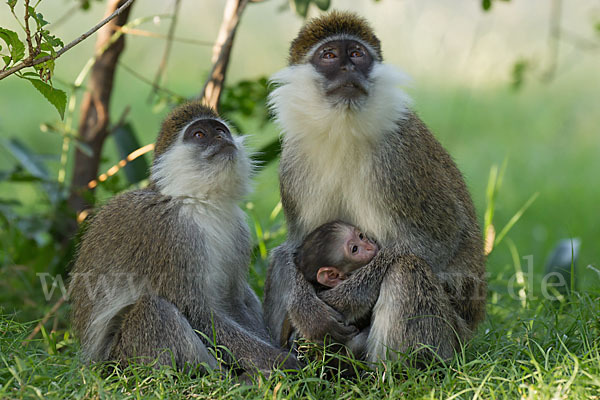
(421, 182)
(418, 147)
(134, 212)
(134, 230)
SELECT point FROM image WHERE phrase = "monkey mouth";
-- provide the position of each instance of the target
(351, 89)
(226, 151)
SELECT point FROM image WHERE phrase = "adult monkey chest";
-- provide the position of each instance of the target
(330, 180)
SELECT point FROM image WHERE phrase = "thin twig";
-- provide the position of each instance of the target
(579, 42)
(221, 52)
(28, 32)
(165, 57)
(553, 39)
(65, 17)
(121, 120)
(30, 63)
(38, 327)
(149, 82)
(115, 168)
(141, 32)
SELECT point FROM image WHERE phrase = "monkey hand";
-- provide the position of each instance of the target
(288, 361)
(285, 361)
(326, 321)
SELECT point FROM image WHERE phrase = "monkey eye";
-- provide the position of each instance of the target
(199, 134)
(328, 55)
(354, 249)
(221, 131)
(356, 53)
(361, 236)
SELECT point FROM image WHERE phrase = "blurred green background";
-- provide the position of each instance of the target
(486, 83)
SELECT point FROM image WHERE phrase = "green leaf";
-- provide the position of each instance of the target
(46, 68)
(84, 148)
(31, 74)
(12, 4)
(597, 26)
(17, 48)
(486, 4)
(520, 68)
(268, 153)
(39, 18)
(26, 158)
(301, 7)
(322, 4)
(515, 218)
(56, 97)
(51, 39)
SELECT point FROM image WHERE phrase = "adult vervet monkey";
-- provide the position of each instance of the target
(353, 150)
(158, 264)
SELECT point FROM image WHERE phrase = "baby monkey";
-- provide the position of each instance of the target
(326, 258)
(330, 253)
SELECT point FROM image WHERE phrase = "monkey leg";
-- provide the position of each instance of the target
(413, 314)
(154, 329)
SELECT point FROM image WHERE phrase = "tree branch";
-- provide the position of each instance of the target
(211, 93)
(30, 63)
(28, 32)
(95, 105)
(38, 327)
(165, 57)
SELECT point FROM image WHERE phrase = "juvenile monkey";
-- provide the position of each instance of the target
(326, 258)
(158, 264)
(350, 139)
(330, 253)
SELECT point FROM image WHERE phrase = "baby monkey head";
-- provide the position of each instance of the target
(352, 249)
(333, 251)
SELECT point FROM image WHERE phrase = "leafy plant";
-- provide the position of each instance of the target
(301, 6)
(40, 44)
(487, 4)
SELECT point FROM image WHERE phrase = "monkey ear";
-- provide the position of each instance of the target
(330, 276)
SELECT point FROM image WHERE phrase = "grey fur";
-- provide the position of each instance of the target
(162, 279)
(426, 286)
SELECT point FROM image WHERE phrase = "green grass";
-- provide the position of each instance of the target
(547, 350)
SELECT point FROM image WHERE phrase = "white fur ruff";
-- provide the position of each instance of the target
(226, 239)
(210, 191)
(333, 145)
(179, 172)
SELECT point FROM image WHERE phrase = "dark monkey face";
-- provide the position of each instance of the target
(212, 139)
(345, 65)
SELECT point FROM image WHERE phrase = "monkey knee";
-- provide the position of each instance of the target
(154, 330)
(413, 315)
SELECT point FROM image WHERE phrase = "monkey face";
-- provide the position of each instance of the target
(359, 249)
(345, 66)
(211, 138)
